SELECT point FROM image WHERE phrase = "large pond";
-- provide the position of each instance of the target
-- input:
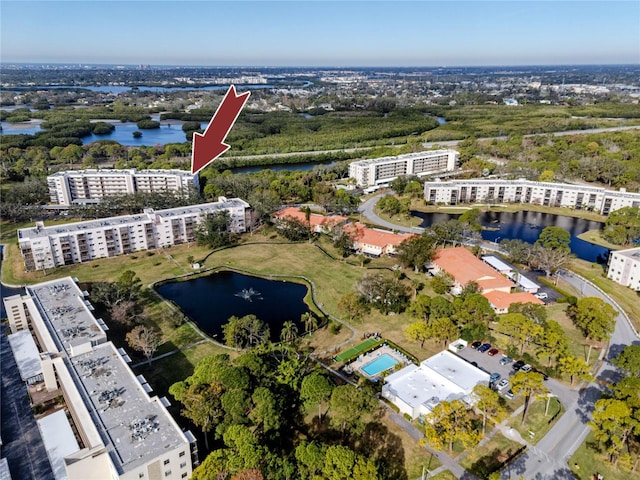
(209, 301)
(527, 225)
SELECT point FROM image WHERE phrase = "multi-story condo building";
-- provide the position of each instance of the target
(624, 267)
(90, 186)
(47, 247)
(375, 171)
(121, 433)
(601, 200)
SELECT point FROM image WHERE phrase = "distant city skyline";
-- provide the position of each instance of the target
(321, 33)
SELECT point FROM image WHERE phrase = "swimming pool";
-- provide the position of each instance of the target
(380, 364)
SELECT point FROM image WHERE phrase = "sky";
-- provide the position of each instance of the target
(307, 33)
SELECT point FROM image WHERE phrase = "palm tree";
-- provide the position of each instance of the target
(289, 332)
(310, 322)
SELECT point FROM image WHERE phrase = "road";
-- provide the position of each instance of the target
(548, 459)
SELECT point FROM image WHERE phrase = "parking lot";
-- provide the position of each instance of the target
(488, 363)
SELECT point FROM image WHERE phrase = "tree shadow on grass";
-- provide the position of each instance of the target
(379, 443)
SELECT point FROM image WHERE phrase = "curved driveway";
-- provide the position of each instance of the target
(547, 460)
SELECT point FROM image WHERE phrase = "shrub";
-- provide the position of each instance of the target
(334, 327)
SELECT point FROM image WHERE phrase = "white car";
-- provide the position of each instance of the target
(502, 384)
(526, 368)
(541, 296)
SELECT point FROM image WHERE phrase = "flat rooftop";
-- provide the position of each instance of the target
(77, 227)
(408, 156)
(59, 441)
(633, 253)
(62, 304)
(120, 172)
(137, 428)
(202, 208)
(26, 354)
(444, 376)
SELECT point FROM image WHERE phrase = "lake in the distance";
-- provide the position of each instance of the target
(527, 225)
(211, 300)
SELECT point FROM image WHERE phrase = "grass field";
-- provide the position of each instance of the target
(486, 459)
(589, 460)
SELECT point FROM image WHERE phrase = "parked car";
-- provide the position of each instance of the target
(505, 360)
(541, 296)
(518, 365)
(509, 394)
(526, 368)
(492, 352)
(484, 347)
(502, 384)
(494, 377)
(476, 344)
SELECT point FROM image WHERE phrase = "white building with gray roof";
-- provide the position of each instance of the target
(48, 247)
(624, 267)
(90, 186)
(121, 431)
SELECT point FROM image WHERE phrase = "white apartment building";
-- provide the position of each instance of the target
(90, 186)
(48, 247)
(601, 200)
(121, 433)
(624, 267)
(375, 171)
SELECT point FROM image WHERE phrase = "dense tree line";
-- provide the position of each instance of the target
(252, 409)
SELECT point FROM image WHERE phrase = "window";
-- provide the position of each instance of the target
(184, 475)
(141, 475)
(167, 473)
(183, 464)
(182, 453)
(166, 462)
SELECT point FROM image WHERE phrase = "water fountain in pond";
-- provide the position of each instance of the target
(249, 294)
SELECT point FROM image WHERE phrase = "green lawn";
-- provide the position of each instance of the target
(536, 421)
(488, 458)
(589, 460)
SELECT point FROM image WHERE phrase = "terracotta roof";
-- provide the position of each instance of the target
(464, 267)
(370, 236)
(503, 300)
(315, 220)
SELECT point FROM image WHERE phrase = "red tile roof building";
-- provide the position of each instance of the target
(373, 241)
(318, 223)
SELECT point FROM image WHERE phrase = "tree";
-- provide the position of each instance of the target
(353, 305)
(473, 308)
(292, 229)
(349, 409)
(420, 307)
(488, 402)
(574, 367)
(129, 286)
(444, 330)
(623, 226)
(342, 241)
(414, 252)
(202, 404)
(145, 340)
(531, 385)
(549, 259)
(440, 307)
(596, 319)
(243, 332)
(214, 231)
(535, 312)
(547, 176)
(441, 283)
(289, 332)
(520, 329)
(418, 332)
(309, 321)
(449, 422)
(315, 391)
(554, 238)
(517, 250)
(553, 341)
(311, 458)
(629, 360)
(386, 294)
(266, 411)
(123, 312)
(612, 423)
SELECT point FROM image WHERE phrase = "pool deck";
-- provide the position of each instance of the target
(362, 360)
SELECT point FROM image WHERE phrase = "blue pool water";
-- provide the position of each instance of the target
(380, 364)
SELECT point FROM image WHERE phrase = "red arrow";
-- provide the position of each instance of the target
(210, 145)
